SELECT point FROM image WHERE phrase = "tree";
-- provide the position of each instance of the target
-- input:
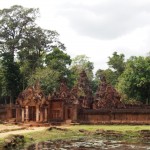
(110, 75)
(14, 24)
(11, 77)
(26, 42)
(135, 80)
(18, 31)
(49, 79)
(117, 62)
(59, 61)
(1, 81)
(56, 68)
(79, 63)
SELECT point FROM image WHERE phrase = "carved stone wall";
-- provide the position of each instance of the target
(77, 104)
(33, 104)
(32, 95)
(115, 116)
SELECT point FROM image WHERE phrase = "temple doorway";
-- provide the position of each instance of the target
(32, 113)
(69, 113)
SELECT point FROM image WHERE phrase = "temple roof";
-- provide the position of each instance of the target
(32, 95)
(107, 96)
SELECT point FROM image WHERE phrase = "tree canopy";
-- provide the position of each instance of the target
(29, 53)
(117, 62)
(135, 80)
(81, 62)
(23, 46)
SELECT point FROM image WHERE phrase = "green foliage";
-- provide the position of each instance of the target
(24, 42)
(30, 53)
(135, 80)
(1, 82)
(79, 63)
(11, 77)
(14, 24)
(18, 31)
(117, 63)
(125, 133)
(48, 78)
(59, 61)
(110, 75)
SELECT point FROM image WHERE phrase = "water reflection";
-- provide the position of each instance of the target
(87, 144)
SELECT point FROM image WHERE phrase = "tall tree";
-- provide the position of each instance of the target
(26, 42)
(58, 60)
(18, 31)
(14, 25)
(1, 80)
(11, 77)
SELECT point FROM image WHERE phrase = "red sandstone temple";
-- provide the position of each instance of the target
(77, 105)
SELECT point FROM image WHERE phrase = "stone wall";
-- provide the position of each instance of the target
(7, 112)
(2, 113)
(56, 111)
(119, 116)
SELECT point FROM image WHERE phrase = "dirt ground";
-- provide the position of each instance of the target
(8, 127)
(6, 130)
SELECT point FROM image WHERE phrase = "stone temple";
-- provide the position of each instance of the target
(76, 105)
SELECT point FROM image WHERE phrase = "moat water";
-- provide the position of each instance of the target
(97, 140)
(91, 143)
(88, 144)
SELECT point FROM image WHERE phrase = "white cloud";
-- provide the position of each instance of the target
(96, 28)
(107, 20)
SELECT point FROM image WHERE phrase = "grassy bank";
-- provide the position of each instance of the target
(122, 128)
(73, 132)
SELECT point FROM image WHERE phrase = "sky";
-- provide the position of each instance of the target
(95, 28)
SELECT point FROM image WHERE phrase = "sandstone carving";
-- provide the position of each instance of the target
(83, 91)
(107, 97)
(32, 95)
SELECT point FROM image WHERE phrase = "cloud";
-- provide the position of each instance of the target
(96, 28)
(106, 19)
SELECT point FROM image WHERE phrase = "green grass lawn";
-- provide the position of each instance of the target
(122, 128)
(129, 131)
(73, 132)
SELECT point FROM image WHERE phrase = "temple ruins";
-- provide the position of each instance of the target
(76, 105)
